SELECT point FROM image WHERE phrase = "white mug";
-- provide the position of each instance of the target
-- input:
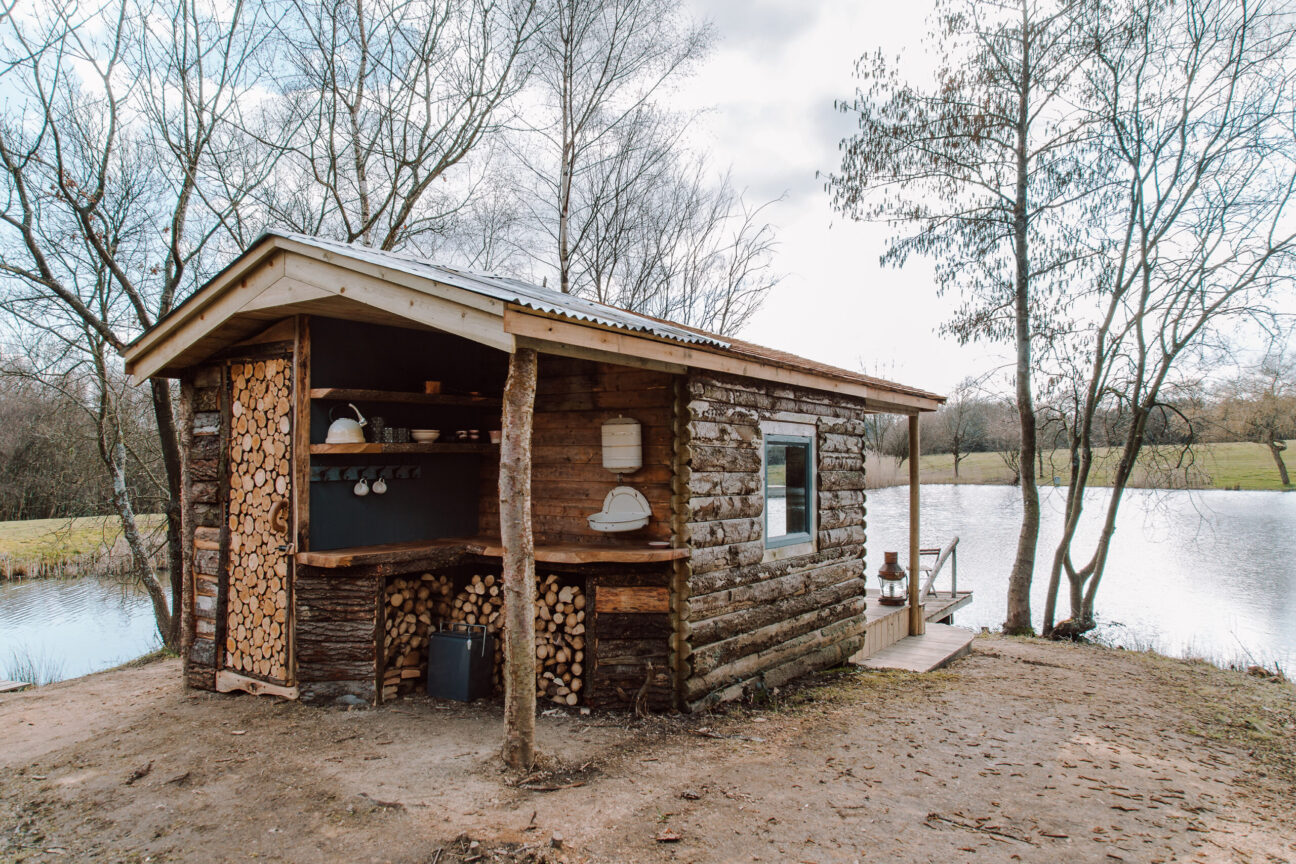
(362, 488)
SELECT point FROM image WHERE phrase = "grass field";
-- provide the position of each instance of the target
(45, 546)
(1210, 466)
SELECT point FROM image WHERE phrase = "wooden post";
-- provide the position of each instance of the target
(519, 560)
(917, 623)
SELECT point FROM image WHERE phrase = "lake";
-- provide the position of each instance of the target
(1191, 574)
(1207, 574)
(74, 626)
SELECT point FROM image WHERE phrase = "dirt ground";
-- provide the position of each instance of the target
(1023, 751)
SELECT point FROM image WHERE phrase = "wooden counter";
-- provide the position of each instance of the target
(489, 547)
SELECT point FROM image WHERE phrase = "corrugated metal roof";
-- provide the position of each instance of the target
(509, 290)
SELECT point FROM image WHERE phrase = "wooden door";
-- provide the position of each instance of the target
(258, 623)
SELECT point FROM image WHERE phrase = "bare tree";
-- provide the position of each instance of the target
(981, 166)
(961, 423)
(382, 98)
(1260, 406)
(664, 238)
(1195, 101)
(599, 65)
(122, 171)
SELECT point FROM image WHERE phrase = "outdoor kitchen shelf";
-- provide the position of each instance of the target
(343, 394)
(449, 447)
(489, 547)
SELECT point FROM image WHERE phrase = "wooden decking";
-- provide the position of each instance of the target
(13, 686)
(940, 645)
(888, 645)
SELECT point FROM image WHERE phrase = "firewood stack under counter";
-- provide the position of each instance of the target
(417, 605)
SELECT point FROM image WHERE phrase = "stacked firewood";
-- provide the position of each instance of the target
(414, 606)
(560, 640)
(257, 615)
(417, 604)
(481, 602)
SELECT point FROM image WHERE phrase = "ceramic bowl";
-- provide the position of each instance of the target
(425, 436)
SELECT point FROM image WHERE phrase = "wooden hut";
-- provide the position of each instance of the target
(750, 567)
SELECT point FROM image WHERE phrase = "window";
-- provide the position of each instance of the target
(789, 490)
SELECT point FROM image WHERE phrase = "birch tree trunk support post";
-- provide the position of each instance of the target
(519, 560)
(917, 623)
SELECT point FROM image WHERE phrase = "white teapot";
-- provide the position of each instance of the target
(344, 430)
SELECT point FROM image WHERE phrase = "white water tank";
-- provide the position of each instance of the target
(622, 445)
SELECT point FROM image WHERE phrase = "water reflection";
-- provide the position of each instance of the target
(1206, 573)
(77, 626)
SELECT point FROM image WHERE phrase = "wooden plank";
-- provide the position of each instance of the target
(937, 647)
(345, 394)
(489, 547)
(641, 599)
(174, 335)
(228, 682)
(280, 331)
(13, 686)
(445, 308)
(557, 335)
(351, 449)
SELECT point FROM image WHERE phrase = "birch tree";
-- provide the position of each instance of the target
(122, 171)
(980, 171)
(1193, 101)
(381, 99)
(599, 65)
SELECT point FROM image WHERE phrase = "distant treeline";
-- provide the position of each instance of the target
(49, 452)
(1258, 406)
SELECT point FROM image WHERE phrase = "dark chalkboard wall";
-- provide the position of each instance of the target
(443, 501)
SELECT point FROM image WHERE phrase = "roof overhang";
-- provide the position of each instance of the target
(281, 276)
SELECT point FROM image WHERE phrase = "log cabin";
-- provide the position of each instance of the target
(327, 545)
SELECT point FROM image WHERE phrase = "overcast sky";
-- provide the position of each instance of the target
(770, 84)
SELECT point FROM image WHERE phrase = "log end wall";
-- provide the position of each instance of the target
(752, 621)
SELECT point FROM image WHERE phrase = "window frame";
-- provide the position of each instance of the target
(802, 542)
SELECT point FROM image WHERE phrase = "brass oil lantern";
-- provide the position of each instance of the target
(893, 582)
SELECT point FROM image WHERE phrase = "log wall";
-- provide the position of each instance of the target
(631, 638)
(204, 466)
(338, 634)
(568, 481)
(749, 621)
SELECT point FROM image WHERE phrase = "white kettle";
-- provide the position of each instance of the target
(344, 430)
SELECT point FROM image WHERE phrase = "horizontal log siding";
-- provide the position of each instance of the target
(749, 619)
(203, 466)
(574, 398)
(337, 634)
(629, 650)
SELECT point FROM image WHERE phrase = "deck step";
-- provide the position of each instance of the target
(13, 686)
(932, 650)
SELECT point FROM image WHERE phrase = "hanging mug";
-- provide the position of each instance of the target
(361, 488)
(379, 486)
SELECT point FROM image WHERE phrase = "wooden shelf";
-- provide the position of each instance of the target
(343, 394)
(489, 547)
(375, 449)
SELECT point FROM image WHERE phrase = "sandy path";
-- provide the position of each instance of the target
(1023, 751)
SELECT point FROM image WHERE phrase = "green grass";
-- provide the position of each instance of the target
(1213, 466)
(36, 546)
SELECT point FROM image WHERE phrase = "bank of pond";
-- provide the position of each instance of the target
(1207, 574)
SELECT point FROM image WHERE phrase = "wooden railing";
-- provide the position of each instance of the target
(948, 553)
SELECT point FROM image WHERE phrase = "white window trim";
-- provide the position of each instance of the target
(803, 430)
